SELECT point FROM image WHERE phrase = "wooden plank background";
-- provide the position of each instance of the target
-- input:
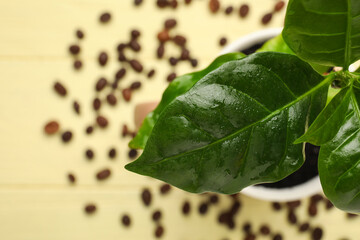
(36, 201)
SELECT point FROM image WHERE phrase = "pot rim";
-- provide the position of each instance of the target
(296, 192)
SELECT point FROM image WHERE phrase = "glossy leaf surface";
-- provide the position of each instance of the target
(337, 131)
(236, 126)
(326, 32)
(179, 86)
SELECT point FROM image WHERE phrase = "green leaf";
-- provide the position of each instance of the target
(339, 158)
(179, 86)
(326, 124)
(277, 44)
(236, 126)
(326, 32)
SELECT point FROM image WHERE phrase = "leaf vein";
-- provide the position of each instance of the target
(245, 94)
(306, 94)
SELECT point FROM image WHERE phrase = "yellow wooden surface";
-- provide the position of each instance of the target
(36, 201)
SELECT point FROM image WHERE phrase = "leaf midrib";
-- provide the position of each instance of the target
(306, 94)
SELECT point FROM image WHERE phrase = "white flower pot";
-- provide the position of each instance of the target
(296, 192)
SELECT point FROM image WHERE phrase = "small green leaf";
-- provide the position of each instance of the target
(277, 44)
(179, 86)
(326, 32)
(326, 124)
(235, 127)
(339, 158)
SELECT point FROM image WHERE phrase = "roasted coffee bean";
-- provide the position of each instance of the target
(76, 106)
(174, 3)
(146, 197)
(278, 6)
(351, 215)
(79, 34)
(165, 188)
(163, 36)
(170, 23)
(89, 154)
(224, 217)
(133, 153)
(135, 34)
(121, 47)
(277, 236)
(160, 51)
(122, 57)
(244, 10)
(292, 217)
(156, 216)
(51, 127)
(214, 199)
(194, 62)
(266, 18)
(293, 204)
(126, 93)
(102, 121)
(230, 223)
(111, 99)
(229, 10)
(151, 73)
(96, 104)
(120, 74)
(137, 2)
(235, 207)
(126, 221)
(316, 233)
(304, 227)
(187, 1)
(214, 5)
(222, 41)
(115, 84)
(105, 17)
(74, 49)
(77, 64)
(103, 58)
(173, 61)
(185, 54)
(112, 153)
(66, 136)
(276, 206)
(251, 236)
(135, 85)
(71, 178)
(60, 89)
(136, 65)
(134, 45)
(312, 210)
(89, 130)
(162, 3)
(247, 227)
(179, 40)
(265, 230)
(90, 208)
(103, 174)
(125, 130)
(159, 231)
(186, 208)
(171, 77)
(203, 208)
(316, 198)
